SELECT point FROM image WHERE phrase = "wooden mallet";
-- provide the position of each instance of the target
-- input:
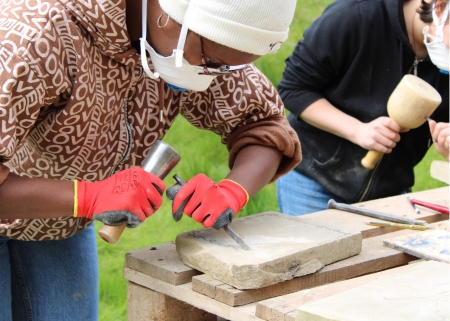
(410, 104)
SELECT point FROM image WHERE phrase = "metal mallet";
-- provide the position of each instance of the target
(160, 160)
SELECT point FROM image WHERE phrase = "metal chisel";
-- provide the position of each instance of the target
(172, 191)
(371, 213)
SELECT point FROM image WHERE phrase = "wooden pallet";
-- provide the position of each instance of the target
(160, 283)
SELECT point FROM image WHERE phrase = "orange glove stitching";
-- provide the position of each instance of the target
(246, 194)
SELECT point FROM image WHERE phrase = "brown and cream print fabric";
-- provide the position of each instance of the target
(75, 103)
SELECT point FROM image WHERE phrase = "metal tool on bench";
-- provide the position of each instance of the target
(410, 104)
(332, 204)
(401, 226)
(172, 191)
(159, 161)
(413, 205)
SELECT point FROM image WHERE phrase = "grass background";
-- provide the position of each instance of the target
(202, 151)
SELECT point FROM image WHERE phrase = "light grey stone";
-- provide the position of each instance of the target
(282, 247)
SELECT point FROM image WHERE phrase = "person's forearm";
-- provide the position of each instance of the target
(25, 198)
(323, 115)
(254, 167)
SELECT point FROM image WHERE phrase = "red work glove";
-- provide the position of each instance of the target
(213, 205)
(130, 195)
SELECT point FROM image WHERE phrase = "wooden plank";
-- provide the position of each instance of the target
(373, 257)
(145, 304)
(417, 292)
(161, 262)
(440, 171)
(284, 308)
(184, 293)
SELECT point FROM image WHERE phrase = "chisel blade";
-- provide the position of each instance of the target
(235, 237)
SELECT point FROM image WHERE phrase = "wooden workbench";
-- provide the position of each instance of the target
(162, 288)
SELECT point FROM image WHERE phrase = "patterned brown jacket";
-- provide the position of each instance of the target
(75, 102)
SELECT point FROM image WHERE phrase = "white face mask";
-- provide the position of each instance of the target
(186, 77)
(175, 70)
(437, 51)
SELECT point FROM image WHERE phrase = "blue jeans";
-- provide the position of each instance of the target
(298, 194)
(49, 280)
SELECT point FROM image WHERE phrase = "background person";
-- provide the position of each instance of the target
(337, 83)
(82, 100)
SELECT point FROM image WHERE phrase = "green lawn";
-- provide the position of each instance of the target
(210, 157)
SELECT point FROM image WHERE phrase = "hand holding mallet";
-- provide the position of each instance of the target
(410, 104)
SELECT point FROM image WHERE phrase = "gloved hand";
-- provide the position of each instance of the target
(213, 205)
(130, 195)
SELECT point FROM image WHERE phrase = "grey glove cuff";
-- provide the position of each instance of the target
(118, 217)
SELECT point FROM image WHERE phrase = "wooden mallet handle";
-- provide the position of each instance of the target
(159, 161)
(371, 159)
(112, 233)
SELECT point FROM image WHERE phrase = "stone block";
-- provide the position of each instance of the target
(282, 247)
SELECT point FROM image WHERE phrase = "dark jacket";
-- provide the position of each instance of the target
(354, 55)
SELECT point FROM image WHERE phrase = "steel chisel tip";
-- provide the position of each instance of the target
(236, 237)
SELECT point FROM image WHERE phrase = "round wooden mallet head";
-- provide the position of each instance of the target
(410, 104)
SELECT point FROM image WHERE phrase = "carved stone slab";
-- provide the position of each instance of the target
(282, 247)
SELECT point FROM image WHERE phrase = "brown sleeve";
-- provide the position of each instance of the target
(4, 171)
(274, 131)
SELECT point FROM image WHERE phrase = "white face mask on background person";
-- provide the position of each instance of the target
(438, 52)
(174, 69)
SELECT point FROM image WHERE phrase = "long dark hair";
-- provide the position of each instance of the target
(426, 10)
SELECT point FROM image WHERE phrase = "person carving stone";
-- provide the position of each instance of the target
(86, 89)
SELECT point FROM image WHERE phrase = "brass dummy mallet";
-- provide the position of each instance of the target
(160, 160)
(410, 104)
